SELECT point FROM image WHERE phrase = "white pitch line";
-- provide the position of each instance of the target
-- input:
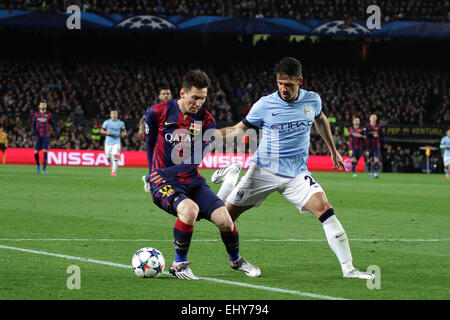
(216, 240)
(233, 283)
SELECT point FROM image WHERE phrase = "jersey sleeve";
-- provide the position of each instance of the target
(33, 124)
(122, 127)
(53, 123)
(318, 107)
(105, 125)
(255, 117)
(151, 131)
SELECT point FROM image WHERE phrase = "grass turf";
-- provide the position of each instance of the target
(399, 223)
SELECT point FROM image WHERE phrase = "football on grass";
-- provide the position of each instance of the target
(148, 262)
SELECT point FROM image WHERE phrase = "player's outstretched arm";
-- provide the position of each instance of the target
(324, 129)
(233, 131)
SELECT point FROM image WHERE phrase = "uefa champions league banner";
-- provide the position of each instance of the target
(97, 158)
(215, 24)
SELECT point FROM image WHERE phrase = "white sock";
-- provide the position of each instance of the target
(228, 184)
(338, 242)
(114, 165)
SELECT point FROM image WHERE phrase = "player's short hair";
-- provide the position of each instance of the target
(290, 67)
(113, 109)
(164, 86)
(196, 78)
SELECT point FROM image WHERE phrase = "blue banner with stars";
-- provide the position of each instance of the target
(233, 25)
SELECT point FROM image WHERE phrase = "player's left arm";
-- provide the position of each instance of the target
(324, 129)
(123, 131)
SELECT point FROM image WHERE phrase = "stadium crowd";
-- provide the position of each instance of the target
(438, 11)
(81, 101)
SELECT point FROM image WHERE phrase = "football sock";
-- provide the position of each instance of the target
(36, 158)
(114, 164)
(231, 241)
(182, 234)
(369, 166)
(337, 238)
(228, 184)
(353, 167)
(45, 160)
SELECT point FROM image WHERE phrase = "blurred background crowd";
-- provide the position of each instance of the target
(98, 72)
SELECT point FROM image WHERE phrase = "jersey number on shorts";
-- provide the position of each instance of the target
(311, 180)
(167, 191)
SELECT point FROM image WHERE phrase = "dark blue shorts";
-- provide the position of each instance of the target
(374, 153)
(168, 196)
(357, 153)
(41, 143)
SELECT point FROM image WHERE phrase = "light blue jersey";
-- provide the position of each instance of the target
(286, 129)
(115, 127)
(445, 144)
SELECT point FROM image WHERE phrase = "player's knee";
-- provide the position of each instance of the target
(222, 219)
(188, 211)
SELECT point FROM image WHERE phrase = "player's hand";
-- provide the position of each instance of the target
(338, 163)
(108, 133)
(141, 134)
(156, 178)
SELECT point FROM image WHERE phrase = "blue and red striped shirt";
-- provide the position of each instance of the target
(355, 142)
(374, 136)
(40, 124)
(176, 143)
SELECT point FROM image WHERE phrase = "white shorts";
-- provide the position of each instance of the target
(446, 161)
(112, 149)
(258, 183)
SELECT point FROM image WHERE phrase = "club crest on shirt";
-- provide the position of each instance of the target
(307, 110)
(195, 128)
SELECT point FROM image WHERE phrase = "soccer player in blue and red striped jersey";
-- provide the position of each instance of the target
(356, 143)
(374, 140)
(179, 133)
(42, 119)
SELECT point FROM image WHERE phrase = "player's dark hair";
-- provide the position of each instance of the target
(196, 78)
(290, 67)
(113, 109)
(164, 86)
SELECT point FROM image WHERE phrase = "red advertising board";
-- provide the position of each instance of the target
(95, 158)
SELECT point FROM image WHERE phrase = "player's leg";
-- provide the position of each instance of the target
(187, 212)
(369, 163)
(108, 152)
(376, 162)
(251, 190)
(44, 164)
(213, 209)
(446, 166)
(37, 148)
(352, 154)
(228, 176)
(115, 158)
(307, 195)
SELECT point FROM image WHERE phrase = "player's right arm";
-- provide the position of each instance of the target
(253, 120)
(103, 129)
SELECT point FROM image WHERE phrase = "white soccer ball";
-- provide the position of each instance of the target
(148, 262)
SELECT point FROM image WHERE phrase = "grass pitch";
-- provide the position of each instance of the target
(82, 216)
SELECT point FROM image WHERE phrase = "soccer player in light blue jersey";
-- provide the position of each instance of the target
(445, 147)
(114, 129)
(280, 163)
